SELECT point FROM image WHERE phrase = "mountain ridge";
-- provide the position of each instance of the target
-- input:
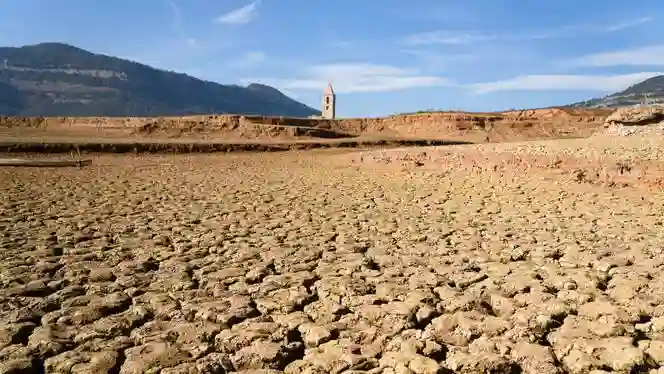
(57, 79)
(650, 90)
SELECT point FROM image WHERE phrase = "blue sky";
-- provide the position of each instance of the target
(382, 56)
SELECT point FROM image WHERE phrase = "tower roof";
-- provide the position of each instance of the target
(329, 90)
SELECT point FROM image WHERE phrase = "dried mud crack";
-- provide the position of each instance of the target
(403, 261)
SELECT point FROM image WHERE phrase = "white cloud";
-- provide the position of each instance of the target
(446, 37)
(342, 43)
(436, 60)
(177, 14)
(254, 57)
(192, 42)
(179, 25)
(627, 24)
(240, 16)
(457, 37)
(249, 59)
(357, 77)
(652, 55)
(543, 82)
(449, 37)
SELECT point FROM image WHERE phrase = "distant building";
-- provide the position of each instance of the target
(329, 103)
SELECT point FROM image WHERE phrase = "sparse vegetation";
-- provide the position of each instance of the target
(652, 88)
(54, 79)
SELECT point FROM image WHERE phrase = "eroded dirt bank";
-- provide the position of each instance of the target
(474, 127)
(333, 262)
(174, 147)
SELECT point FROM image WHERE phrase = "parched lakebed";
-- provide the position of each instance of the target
(417, 261)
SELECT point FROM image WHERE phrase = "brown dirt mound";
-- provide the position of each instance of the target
(474, 127)
(32, 122)
(232, 130)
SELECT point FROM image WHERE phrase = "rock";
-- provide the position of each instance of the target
(636, 116)
(635, 121)
(194, 338)
(261, 354)
(462, 361)
(101, 275)
(18, 359)
(227, 311)
(82, 362)
(15, 333)
(656, 351)
(325, 311)
(152, 357)
(583, 354)
(283, 300)
(332, 357)
(24, 365)
(214, 363)
(535, 358)
(114, 325)
(97, 308)
(414, 363)
(461, 328)
(314, 335)
(51, 340)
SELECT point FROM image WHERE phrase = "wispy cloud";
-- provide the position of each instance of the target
(358, 77)
(460, 37)
(249, 59)
(254, 57)
(178, 23)
(627, 24)
(651, 55)
(240, 16)
(446, 37)
(543, 82)
(436, 61)
(457, 37)
(342, 43)
(177, 13)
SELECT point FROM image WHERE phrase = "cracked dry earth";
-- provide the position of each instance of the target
(315, 262)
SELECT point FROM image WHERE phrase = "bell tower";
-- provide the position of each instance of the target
(329, 102)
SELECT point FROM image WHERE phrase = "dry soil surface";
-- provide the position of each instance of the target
(495, 258)
(473, 127)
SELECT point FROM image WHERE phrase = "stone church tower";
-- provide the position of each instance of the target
(329, 103)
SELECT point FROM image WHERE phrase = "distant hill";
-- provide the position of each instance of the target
(53, 79)
(653, 87)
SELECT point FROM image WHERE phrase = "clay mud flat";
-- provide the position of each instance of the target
(538, 257)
